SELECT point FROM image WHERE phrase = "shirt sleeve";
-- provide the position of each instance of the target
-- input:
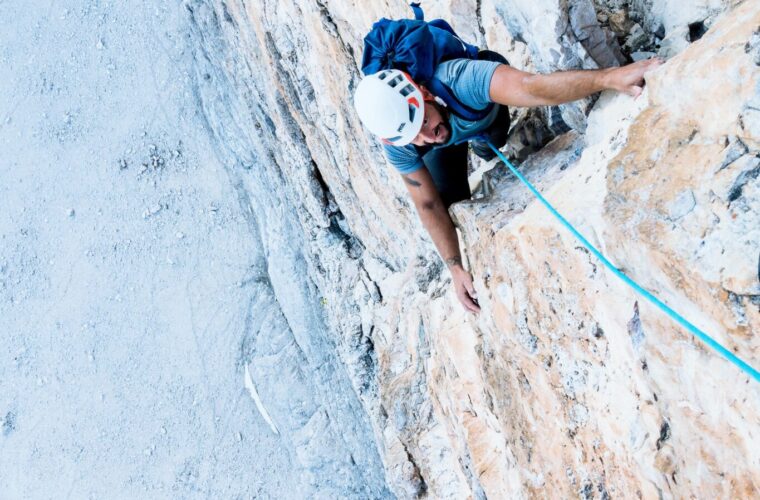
(405, 159)
(470, 80)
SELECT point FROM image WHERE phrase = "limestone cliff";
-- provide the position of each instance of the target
(567, 384)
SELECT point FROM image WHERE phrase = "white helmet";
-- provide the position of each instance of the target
(391, 106)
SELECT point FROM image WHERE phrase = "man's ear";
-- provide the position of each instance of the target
(426, 94)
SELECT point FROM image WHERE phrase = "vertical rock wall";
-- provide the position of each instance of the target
(644, 408)
(567, 384)
(293, 358)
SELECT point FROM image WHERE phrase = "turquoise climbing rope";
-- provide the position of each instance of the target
(670, 312)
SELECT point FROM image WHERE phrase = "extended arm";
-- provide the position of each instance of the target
(437, 221)
(513, 87)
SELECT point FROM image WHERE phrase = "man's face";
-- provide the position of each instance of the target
(435, 127)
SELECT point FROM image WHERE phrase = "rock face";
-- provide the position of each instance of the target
(567, 384)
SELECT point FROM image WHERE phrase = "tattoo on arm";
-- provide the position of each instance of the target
(411, 182)
(454, 261)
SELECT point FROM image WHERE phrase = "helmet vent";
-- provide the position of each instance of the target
(412, 112)
(407, 90)
(395, 81)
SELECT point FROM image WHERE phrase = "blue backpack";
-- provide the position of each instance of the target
(417, 47)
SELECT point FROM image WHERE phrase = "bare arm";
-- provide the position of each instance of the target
(437, 221)
(513, 87)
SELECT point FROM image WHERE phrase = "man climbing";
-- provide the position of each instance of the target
(422, 135)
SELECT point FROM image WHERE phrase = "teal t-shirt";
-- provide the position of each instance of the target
(470, 82)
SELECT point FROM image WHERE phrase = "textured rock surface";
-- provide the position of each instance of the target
(138, 307)
(566, 385)
(641, 406)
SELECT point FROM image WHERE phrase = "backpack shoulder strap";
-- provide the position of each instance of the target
(440, 89)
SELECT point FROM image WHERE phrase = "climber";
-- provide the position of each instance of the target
(423, 138)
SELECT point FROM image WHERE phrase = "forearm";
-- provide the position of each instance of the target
(566, 86)
(437, 221)
(513, 87)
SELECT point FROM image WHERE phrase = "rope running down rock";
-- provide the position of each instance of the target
(752, 372)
